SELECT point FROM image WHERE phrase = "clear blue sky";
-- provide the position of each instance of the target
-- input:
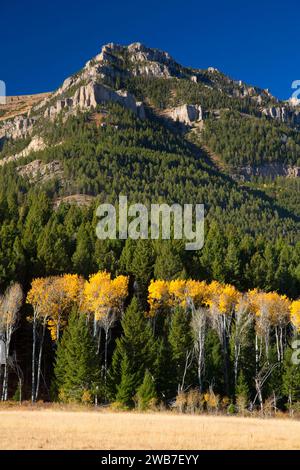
(44, 42)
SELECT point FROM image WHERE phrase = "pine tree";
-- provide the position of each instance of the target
(242, 388)
(127, 386)
(139, 347)
(146, 393)
(142, 268)
(180, 342)
(291, 378)
(52, 248)
(168, 264)
(82, 258)
(76, 369)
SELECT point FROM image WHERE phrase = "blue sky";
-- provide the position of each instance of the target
(254, 41)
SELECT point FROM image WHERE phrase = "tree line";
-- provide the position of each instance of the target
(193, 344)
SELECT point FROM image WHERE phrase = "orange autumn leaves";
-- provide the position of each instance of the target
(53, 298)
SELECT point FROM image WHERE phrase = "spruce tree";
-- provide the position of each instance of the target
(242, 388)
(146, 392)
(142, 268)
(82, 258)
(76, 369)
(291, 378)
(127, 386)
(138, 346)
(180, 343)
(168, 264)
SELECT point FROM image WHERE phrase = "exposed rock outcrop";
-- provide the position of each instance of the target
(187, 113)
(39, 171)
(283, 114)
(36, 144)
(17, 128)
(89, 96)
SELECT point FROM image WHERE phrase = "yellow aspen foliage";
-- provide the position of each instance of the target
(228, 299)
(252, 297)
(62, 293)
(271, 305)
(158, 295)
(177, 293)
(213, 292)
(197, 292)
(222, 297)
(295, 314)
(37, 297)
(53, 297)
(103, 294)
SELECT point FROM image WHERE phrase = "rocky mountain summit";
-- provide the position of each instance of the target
(126, 75)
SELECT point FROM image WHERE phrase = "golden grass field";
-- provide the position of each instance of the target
(59, 429)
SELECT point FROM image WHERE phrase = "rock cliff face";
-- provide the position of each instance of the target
(36, 144)
(187, 113)
(283, 114)
(89, 96)
(19, 127)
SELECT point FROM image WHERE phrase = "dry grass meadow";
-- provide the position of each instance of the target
(61, 429)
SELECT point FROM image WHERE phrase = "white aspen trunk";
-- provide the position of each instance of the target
(281, 343)
(256, 354)
(181, 387)
(99, 342)
(267, 348)
(260, 348)
(105, 356)
(95, 325)
(277, 343)
(40, 361)
(201, 352)
(33, 358)
(237, 350)
(225, 356)
(200, 361)
(4, 384)
(7, 348)
(259, 394)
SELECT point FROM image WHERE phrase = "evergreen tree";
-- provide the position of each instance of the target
(180, 342)
(52, 249)
(138, 346)
(142, 268)
(126, 388)
(146, 393)
(291, 378)
(76, 369)
(242, 388)
(168, 264)
(82, 258)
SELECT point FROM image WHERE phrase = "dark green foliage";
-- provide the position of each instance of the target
(126, 388)
(291, 377)
(135, 352)
(146, 393)
(242, 389)
(76, 368)
(248, 140)
(181, 350)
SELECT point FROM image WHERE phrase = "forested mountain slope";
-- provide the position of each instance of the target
(135, 122)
